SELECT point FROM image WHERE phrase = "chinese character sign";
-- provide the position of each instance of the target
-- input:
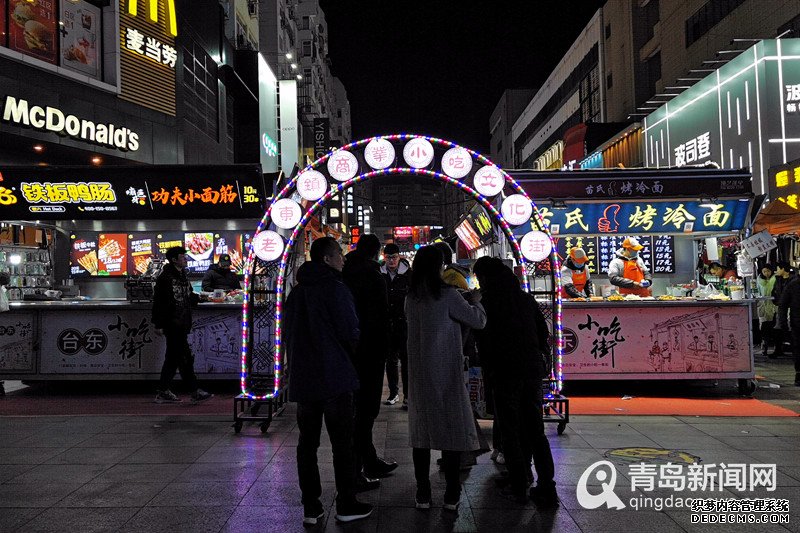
(516, 209)
(784, 184)
(312, 185)
(342, 165)
(379, 154)
(286, 213)
(488, 181)
(268, 245)
(536, 246)
(457, 162)
(418, 153)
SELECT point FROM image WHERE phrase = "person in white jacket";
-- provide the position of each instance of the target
(628, 272)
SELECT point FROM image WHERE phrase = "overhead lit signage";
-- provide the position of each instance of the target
(137, 193)
(379, 154)
(516, 209)
(784, 184)
(268, 245)
(21, 112)
(418, 152)
(342, 165)
(457, 162)
(646, 217)
(148, 55)
(536, 246)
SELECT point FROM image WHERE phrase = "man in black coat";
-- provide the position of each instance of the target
(320, 335)
(220, 276)
(790, 301)
(362, 275)
(173, 299)
(398, 276)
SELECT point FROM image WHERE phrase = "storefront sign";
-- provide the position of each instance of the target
(606, 342)
(137, 193)
(16, 341)
(22, 113)
(759, 244)
(124, 342)
(784, 184)
(322, 137)
(404, 234)
(148, 55)
(32, 28)
(647, 217)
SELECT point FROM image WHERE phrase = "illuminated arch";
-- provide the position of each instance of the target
(281, 262)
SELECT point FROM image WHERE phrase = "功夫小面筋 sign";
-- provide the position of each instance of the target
(179, 192)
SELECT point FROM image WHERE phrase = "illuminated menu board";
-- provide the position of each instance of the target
(663, 254)
(589, 245)
(133, 193)
(94, 254)
(609, 244)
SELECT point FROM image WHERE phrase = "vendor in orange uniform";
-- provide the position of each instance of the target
(575, 275)
(628, 272)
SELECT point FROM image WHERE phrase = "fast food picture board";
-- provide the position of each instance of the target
(32, 28)
(80, 37)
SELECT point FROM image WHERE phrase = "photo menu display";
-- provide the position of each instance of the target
(32, 28)
(130, 254)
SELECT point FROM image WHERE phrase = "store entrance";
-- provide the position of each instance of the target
(270, 265)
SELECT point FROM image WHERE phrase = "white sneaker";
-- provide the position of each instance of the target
(166, 396)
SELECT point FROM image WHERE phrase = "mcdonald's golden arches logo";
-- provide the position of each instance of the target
(152, 13)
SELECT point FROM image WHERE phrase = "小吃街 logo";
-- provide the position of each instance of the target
(606, 474)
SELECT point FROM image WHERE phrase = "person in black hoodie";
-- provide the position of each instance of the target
(220, 276)
(783, 276)
(320, 335)
(173, 299)
(397, 275)
(362, 275)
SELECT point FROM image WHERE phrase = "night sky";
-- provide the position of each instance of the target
(439, 67)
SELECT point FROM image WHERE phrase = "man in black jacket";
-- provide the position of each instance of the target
(320, 335)
(362, 275)
(790, 301)
(398, 277)
(220, 276)
(173, 299)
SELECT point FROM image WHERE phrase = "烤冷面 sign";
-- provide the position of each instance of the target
(138, 193)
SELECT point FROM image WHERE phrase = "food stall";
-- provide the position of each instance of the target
(112, 226)
(673, 334)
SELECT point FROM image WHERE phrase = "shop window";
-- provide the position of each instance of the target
(64, 33)
(307, 48)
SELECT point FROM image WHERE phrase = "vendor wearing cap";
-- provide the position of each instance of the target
(628, 272)
(575, 275)
(220, 276)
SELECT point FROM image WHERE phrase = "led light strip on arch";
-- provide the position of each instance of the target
(341, 186)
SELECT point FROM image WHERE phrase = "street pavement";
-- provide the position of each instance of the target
(195, 474)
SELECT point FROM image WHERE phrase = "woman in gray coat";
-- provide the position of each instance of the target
(440, 416)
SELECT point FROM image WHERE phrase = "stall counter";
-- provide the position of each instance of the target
(657, 339)
(110, 339)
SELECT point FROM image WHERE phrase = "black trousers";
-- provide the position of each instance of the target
(338, 415)
(450, 464)
(796, 350)
(398, 357)
(367, 407)
(518, 402)
(178, 357)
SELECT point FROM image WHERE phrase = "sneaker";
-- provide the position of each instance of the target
(544, 497)
(364, 483)
(200, 396)
(451, 504)
(353, 511)
(313, 514)
(423, 499)
(405, 404)
(392, 399)
(166, 396)
(379, 468)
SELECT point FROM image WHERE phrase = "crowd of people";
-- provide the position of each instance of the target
(350, 320)
(779, 312)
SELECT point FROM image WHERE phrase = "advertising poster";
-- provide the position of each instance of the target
(684, 340)
(141, 247)
(80, 37)
(229, 243)
(83, 254)
(32, 28)
(199, 248)
(16, 342)
(112, 254)
(167, 240)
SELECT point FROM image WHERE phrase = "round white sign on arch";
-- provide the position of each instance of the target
(457, 162)
(286, 213)
(489, 181)
(516, 209)
(379, 154)
(268, 245)
(418, 153)
(342, 165)
(312, 185)
(536, 246)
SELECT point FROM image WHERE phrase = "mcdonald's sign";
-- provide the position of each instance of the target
(152, 13)
(148, 56)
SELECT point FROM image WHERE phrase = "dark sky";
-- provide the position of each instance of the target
(438, 67)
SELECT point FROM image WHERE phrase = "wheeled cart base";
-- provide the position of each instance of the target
(246, 409)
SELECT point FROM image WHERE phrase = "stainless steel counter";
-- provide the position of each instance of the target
(568, 304)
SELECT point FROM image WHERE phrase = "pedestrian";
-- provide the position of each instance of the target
(513, 344)
(220, 276)
(321, 333)
(173, 299)
(397, 276)
(766, 308)
(453, 274)
(5, 279)
(440, 416)
(362, 274)
(783, 275)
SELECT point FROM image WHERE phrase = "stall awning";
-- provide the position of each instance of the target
(778, 218)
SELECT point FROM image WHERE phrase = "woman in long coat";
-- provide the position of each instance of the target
(440, 415)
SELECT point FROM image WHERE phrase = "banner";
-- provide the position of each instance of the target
(32, 28)
(135, 193)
